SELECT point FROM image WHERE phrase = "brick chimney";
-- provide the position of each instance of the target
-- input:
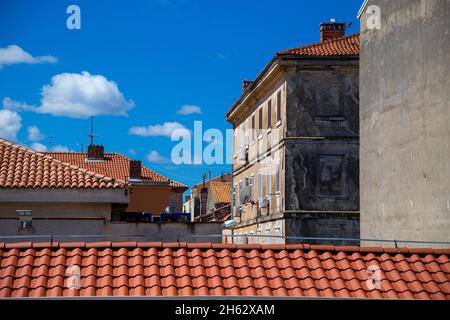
(96, 152)
(203, 196)
(245, 84)
(135, 169)
(203, 200)
(331, 30)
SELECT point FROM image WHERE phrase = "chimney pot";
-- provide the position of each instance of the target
(245, 84)
(331, 30)
(96, 152)
(135, 169)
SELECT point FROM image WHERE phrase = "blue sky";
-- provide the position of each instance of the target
(149, 58)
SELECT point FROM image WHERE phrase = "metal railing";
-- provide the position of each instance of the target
(305, 239)
(302, 240)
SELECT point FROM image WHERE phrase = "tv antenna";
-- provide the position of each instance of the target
(92, 135)
(50, 143)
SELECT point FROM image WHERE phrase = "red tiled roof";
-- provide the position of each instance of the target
(172, 269)
(344, 46)
(226, 177)
(21, 167)
(221, 191)
(115, 165)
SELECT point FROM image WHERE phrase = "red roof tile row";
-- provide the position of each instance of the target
(115, 165)
(21, 167)
(174, 269)
(344, 46)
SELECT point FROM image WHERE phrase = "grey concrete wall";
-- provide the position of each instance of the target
(110, 231)
(405, 122)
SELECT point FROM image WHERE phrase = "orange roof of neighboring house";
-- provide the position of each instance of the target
(173, 269)
(115, 165)
(343, 46)
(21, 167)
(226, 177)
(221, 191)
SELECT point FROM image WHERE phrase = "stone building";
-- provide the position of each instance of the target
(405, 120)
(296, 149)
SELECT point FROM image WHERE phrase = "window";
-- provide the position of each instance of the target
(250, 188)
(253, 127)
(277, 177)
(279, 106)
(269, 114)
(260, 187)
(277, 235)
(241, 134)
(246, 188)
(241, 193)
(260, 120)
(268, 182)
(246, 133)
(258, 235)
(251, 239)
(233, 199)
(267, 241)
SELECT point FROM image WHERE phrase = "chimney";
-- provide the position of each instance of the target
(203, 180)
(245, 84)
(203, 200)
(331, 30)
(135, 169)
(95, 152)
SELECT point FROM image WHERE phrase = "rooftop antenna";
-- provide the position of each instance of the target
(50, 143)
(91, 135)
(81, 146)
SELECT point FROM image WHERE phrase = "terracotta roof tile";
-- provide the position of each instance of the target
(221, 191)
(344, 46)
(131, 268)
(115, 165)
(21, 167)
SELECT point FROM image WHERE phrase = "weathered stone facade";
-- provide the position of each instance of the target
(314, 190)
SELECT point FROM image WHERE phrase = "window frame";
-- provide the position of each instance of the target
(278, 108)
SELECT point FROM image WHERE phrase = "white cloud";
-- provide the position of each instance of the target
(43, 148)
(39, 147)
(164, 129)
(10, 104)
(14, 54)
(59, 148)
(34, 134)
(189, 109)
(154, 157)
(10, 124)
(77, 95)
